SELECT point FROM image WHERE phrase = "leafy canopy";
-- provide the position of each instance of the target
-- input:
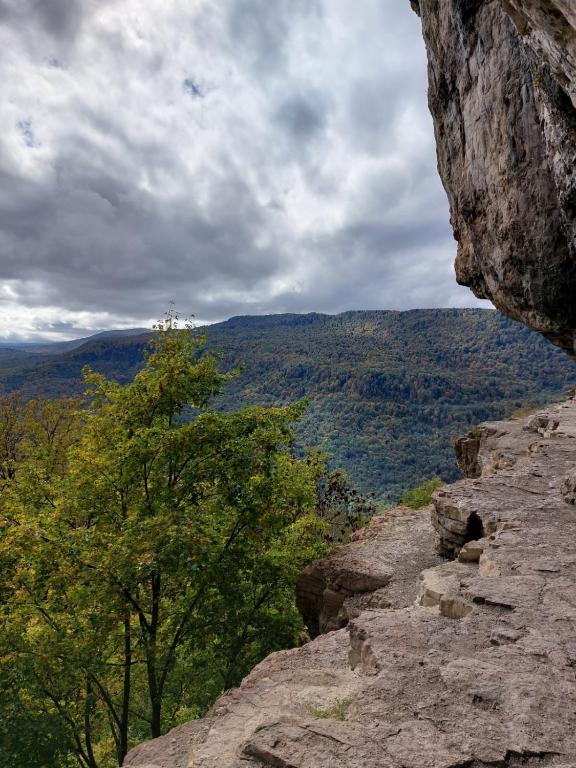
(149, 548)
(421, 495)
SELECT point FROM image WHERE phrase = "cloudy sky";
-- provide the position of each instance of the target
(231, 156)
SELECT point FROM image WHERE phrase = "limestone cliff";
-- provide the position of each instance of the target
(471, 663)
(502, 92)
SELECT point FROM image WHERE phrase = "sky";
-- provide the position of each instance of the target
(229, 156)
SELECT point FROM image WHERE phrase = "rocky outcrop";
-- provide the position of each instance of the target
(548, 26)
(376, 570)
(477, 672)
(171, 750)
(485, 451)
(502, 92)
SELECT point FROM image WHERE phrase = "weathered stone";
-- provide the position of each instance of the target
(371, 571)
(542, 424)
(548, 27)
(569, 487)
(479, 672)
(168, 751)
(437, 582)
(454, 607)
(457, 521)
(467, 449)
(504, 635)
(368, 601)
(502, 92)
(471, 552)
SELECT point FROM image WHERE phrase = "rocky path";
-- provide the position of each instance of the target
(479, 671)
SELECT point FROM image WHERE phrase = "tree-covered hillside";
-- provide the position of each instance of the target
(387, 391)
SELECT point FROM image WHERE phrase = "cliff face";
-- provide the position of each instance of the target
(502, 92)
(470, 663)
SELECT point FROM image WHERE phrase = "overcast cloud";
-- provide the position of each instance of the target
(232, 156)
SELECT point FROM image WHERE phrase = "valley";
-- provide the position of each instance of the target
(387, 391)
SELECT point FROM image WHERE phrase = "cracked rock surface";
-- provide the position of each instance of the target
(376, 570)
(477, 668)
(502, 93)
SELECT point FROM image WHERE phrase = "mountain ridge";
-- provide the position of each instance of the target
(387, 390)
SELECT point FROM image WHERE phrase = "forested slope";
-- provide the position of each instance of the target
(387, 391)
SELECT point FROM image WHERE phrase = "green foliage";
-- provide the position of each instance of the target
(421, 495)
(336, 711)
(149, 543)
(28, 736)
(148, 560)
(387, 391)
(341, 505)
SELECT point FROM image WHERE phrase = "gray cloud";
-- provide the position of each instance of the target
(302, 117)
(235, 157)
(61, 18)
(373, 108)
(260, 30)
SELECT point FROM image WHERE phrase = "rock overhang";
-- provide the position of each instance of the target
(502, 93)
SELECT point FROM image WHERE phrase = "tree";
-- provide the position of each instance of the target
(154, 564)
(421, 495)
(35, 438)
(341, 505)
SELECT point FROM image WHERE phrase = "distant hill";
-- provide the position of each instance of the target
(12, 356)
(58, 347)
(387, 391)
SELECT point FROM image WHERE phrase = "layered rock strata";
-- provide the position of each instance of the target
(376, 570)
(479, 671)
(502, 93)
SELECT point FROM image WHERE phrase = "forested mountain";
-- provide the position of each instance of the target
(59, 347)
(387, 390)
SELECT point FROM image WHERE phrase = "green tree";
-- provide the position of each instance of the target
(150, 563)
(35, 438)
(421, 495)
(341, 505)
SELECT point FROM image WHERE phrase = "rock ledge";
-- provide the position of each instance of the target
(479, 671)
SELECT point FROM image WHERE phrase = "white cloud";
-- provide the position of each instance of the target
(234, 156)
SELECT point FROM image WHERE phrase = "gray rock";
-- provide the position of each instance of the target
(547, 26)
(377, 569)
(502, 92)
(168, 751)
(478, 672)
(569, 487)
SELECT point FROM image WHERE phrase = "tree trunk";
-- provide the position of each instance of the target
(124, 719)
(154, 689)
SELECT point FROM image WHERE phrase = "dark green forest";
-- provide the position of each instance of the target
(387, 391)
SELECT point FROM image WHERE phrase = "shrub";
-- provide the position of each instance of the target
(421, 495)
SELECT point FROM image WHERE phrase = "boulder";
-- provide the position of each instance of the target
(376, 569)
